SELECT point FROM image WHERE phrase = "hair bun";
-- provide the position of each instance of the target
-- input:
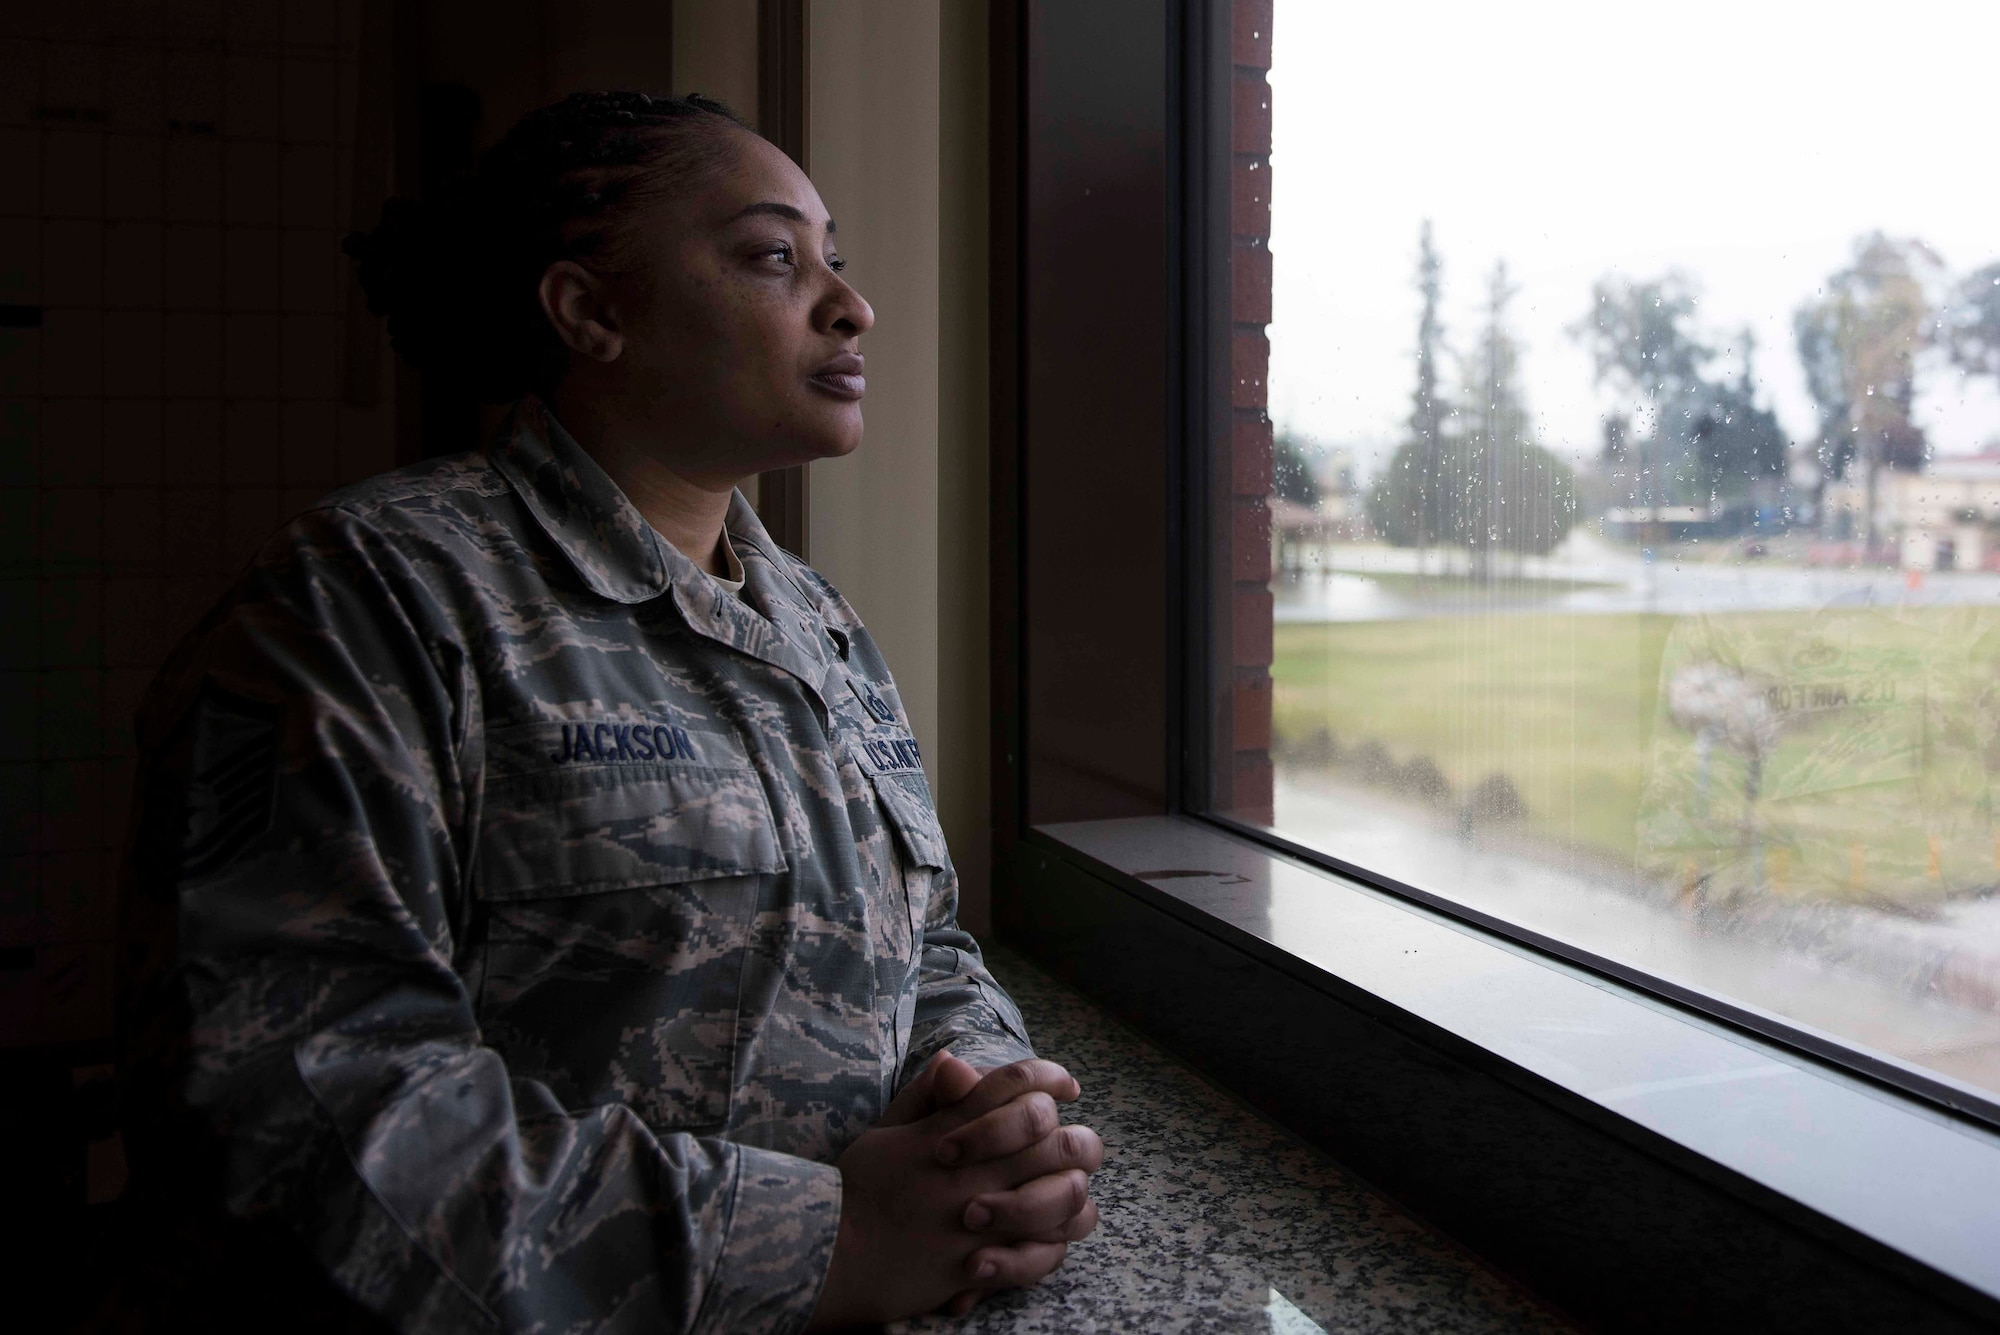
(455, 276)
(428, 268)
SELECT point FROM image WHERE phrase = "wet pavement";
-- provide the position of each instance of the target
(1863, 976)
(1333, 582)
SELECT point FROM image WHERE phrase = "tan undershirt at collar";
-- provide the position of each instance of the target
(733, 580)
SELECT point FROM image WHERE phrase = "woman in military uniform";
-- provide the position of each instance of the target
(539, 916)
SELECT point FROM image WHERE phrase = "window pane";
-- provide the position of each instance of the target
(1634, 510)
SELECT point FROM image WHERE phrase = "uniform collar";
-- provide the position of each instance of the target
(771, 586)
(615, 551)
(773, 620)
(620, 556)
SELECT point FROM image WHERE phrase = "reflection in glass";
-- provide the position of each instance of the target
(1636, 525)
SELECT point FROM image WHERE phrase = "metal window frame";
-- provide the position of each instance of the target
(1108, 122)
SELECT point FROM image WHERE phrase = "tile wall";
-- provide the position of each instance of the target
(177, 377)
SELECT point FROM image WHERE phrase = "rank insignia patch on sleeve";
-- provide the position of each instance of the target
(232, 779)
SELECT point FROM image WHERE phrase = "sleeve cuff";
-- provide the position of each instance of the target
(784, 1216)
(986, 1051)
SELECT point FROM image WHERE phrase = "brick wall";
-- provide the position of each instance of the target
(1247, 784)
(171, 389)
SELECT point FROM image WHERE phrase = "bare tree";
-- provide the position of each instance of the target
(1859, 340)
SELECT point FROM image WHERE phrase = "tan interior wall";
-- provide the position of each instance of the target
(872, 140)
(715, 52)
(897, 144)
(965, 678)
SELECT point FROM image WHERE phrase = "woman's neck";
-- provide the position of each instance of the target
(687, 510)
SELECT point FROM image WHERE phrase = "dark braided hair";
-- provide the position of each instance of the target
(456, 275)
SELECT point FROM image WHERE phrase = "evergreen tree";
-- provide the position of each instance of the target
(1513, 495)
(1826, 382)
(1616, 450)
(1409, 505)
(1973, 325)
(1736, 442)
(1427, 407)
(1490, 488)
(1291, 475)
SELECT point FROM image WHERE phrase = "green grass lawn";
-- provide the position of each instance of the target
(1879, 788)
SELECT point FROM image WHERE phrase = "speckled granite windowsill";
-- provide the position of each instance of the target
(1213, 1219)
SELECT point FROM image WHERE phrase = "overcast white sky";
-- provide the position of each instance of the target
(1744, 142)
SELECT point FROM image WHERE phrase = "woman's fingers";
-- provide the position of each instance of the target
(943, 1082)
(1033, 1209)
(1073, 1146)
(914, 1102)
(996, 1089)
(1015, 1266)
(950, 1080)
(1080, 1226)
(1006, 1130)
(1075, 1229)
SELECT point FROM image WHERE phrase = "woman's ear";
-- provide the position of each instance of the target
(578, 304)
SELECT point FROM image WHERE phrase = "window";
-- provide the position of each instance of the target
(1634, 522)
(1311, 919)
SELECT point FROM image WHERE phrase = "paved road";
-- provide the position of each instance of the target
(1335, 586)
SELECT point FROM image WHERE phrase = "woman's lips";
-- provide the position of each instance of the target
(842, 386)
(841, 377)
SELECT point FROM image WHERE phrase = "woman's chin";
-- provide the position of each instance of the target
(807, 431)
(844, 444)
(837, 433)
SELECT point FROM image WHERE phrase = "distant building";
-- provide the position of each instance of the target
(1340, 495)
(1943, 518)
(1766, 507)
(1340, 516)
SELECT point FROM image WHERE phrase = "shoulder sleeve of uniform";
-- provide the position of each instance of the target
(330, 578)
(782, 1225)
(961, 1007)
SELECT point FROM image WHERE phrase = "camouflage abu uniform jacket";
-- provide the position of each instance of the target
(521, 922)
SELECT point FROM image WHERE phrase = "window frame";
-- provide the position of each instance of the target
(1110, 128)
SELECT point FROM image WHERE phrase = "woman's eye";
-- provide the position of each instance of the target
(782, 254)
(836, 263)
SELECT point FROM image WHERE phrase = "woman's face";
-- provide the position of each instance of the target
(738, 337)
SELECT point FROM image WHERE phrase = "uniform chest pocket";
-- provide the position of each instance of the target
(582, 831)
(618, 903)
(906, 806)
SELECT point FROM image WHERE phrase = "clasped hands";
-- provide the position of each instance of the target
(967, 1184)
